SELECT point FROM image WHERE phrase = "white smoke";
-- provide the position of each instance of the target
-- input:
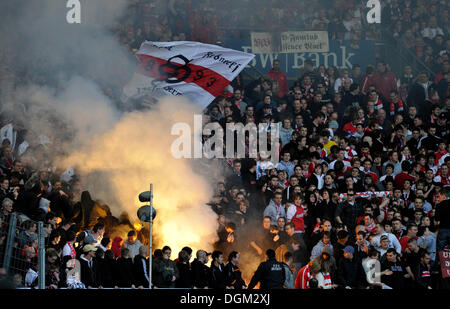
(117, 155)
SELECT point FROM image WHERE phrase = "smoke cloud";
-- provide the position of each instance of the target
(117, 155)
(137, 152)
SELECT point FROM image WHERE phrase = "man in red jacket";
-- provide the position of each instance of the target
(277, 75)
(384, 80)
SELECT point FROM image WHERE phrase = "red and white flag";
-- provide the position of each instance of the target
(195, 70)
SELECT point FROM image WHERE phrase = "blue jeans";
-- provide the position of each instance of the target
(443, 239)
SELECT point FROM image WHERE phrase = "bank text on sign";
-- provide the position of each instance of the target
(290, 42)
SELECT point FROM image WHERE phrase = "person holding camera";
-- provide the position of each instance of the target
(165, 271)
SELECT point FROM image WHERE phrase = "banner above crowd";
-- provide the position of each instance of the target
(195, 70)
(342, 54)
(290, 42)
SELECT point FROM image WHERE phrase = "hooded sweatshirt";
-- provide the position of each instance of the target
(274, 212)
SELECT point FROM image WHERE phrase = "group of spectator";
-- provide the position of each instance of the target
(345, 134)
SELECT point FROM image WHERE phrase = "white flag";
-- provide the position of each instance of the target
(195, 70)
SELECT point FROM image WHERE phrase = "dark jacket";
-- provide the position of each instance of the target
(234, 276)
(349, 214)
(185, 280)
(423, 276)
(397, 279)
(163, 272)
(124, 272)
(200, 274)
(270, 274)
(107, 269)
(350, 273)
(325, 210)
(217, 277)
(89, 275)
(141, 272)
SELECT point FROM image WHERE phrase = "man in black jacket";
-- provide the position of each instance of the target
(350, 270)
(89, 267)
(124, 275)
(217, 271)
(233, 273)
(347, 212)
(418, 92)
(140, 267)
(423, 272)
(354, 99)
(393, 271)
(270, 273)
(200, 272)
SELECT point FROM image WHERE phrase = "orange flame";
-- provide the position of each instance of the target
(137, 226)
(181, 194)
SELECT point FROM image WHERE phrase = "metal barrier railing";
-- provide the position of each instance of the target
(22, 252)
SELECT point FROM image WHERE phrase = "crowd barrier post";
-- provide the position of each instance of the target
(10, 242)
(41, 255)
(150, 242)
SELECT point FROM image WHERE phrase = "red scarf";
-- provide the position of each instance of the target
(73, 253)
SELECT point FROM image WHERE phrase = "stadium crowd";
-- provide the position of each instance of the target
(363, 173)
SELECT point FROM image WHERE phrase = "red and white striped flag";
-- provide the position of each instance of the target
(195, 70)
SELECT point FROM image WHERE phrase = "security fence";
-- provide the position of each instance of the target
(22, 250)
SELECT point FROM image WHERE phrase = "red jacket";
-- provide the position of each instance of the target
(298, 220)
(400, 179)
(303, 277)
(384, 83)
(282, 81)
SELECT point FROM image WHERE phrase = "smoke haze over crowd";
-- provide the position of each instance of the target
(116, 154)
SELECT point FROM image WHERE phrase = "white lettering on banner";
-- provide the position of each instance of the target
(265, 57)
(74, 14)
(374, 14)
(316, 60)
(345, 60)
(325, 59)
(444, 257)
(195, 70)
(298, 57)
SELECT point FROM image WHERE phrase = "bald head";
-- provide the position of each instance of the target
(143, 250)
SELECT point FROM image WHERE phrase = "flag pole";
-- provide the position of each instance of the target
(150, 243)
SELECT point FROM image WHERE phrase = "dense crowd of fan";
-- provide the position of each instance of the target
(364, 170)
